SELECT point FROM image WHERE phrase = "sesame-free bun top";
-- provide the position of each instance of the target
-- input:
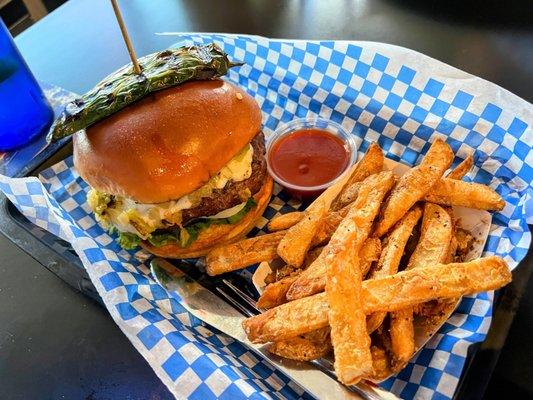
(169, 143)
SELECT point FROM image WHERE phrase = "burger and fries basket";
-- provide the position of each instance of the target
(380, 93)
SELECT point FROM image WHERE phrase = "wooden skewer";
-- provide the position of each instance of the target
(125, 35)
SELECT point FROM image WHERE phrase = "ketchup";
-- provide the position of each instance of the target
(308, 158)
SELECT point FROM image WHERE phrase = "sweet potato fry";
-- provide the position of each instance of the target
(453, 192)
(306, 347)
(285, 221)
(363, 211)
(371, 163)
(243, 253)
(297, 240)
(433, 248)
(390, 293)
(415, 184)
(391, 255)
(462, 169)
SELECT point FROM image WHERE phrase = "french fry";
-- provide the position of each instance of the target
(436, 233)
(274, 293)
(391, 255)
(351, 343)
(402, 336)
(369, 253)
(365, 208)
(297, 240)
(462, 169)
(433, 248)
(415, 184)
(306, 347)
(243, 253)
(348, 195)
(285, 221)
(391, 293)
(453, 192)
(371, 163)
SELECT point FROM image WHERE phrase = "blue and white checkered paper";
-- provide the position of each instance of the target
(394, 96)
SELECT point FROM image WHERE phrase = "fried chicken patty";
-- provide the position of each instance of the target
(233, 193)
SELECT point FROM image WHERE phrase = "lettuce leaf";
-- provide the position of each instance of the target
(186, 235)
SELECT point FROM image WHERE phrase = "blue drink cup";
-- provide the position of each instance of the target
(24, 111)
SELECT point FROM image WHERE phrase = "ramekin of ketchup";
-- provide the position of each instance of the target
(307, 155)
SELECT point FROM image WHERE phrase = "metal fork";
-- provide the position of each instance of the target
(226, 288)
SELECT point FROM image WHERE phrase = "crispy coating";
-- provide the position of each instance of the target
(390, 293)
(415, 184)
(306, 347)
(362, 212)
(452, 192)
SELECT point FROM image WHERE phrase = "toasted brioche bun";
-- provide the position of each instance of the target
(169, 143)
(217, 235)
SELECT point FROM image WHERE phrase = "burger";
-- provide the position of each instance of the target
(178, 172)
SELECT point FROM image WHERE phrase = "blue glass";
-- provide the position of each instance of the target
(24, 111)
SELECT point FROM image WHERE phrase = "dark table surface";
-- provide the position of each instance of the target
(56, 343)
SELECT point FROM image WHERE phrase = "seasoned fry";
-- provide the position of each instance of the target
(274, 294)
(415, 184)
(435, 237)
(348, 195)
(371, 163)
(402, 336)
(452, 192)
(306, 347)
(363, 211)
(391, 255)
(390, 293)
(433, 248)
(369, 253)
(462, 169)
(297, 240)
(351, 343)
(241, 254)
(285, 221)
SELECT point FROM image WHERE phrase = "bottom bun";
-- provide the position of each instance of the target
(217, 235)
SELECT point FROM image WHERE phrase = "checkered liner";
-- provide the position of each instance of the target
(394, 96)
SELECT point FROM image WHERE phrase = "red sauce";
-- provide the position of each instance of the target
(309, 157)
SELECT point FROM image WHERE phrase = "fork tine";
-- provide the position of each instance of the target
(247, 299)
(234, 302)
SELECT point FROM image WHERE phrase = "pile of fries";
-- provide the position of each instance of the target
(369, 255)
